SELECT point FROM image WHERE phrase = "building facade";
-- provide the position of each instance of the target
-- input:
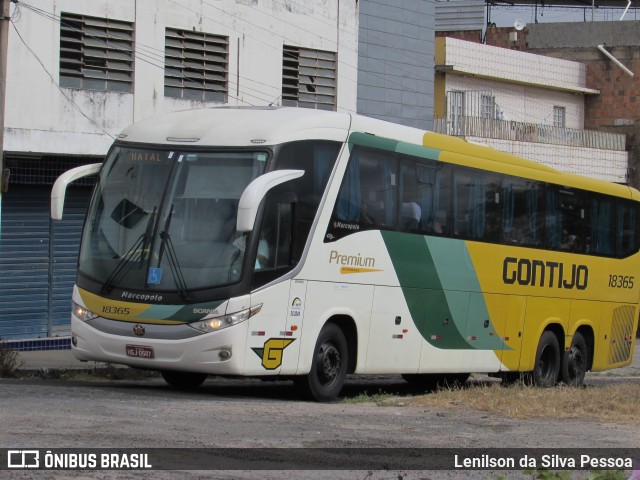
(395, 61)
(79, 72)
(526, 104)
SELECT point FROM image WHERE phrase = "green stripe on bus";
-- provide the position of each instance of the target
(459, 280)
(381, 143)
(367, 140)
(437, 279)
(423, 290)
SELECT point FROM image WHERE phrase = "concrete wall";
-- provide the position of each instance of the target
(609, 165)
(619, 100)
(582, 34)
(42, 118)
(514, 66)
(395, 60)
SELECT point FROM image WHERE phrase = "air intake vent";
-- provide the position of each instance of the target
(621, 334)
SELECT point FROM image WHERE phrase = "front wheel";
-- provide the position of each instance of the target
(183, 380)
(547, 367)
(328, 367)
(574, 364)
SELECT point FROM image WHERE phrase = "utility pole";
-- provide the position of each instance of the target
(4, 49)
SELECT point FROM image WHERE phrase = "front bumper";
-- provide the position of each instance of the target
(206, 353)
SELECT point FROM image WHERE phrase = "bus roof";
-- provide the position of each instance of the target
(244, 126)
(238, 126)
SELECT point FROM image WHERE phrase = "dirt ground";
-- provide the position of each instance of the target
(40, 413)
(47, 413)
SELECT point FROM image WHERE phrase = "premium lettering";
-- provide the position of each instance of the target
(538, 273)
(351, 260)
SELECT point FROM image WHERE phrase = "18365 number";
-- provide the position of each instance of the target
(621, 281)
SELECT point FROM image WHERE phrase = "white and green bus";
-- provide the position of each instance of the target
(310, 245)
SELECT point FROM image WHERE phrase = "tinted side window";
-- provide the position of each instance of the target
(317, 159)
(628, 238)
(565, 219)
(425, 194)
(476, 197)
(601, 226)
(368, 194)
(522, 212)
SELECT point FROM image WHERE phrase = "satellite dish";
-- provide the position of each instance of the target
(518, 24)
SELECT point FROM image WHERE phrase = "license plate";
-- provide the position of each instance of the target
(139, 351)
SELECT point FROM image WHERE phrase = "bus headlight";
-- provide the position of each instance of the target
(82, 313)
(213, 324)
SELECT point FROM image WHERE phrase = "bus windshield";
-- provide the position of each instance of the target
(166, 220)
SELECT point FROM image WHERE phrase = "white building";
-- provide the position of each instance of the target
(108, 64)
(525, 104)
(79, 72)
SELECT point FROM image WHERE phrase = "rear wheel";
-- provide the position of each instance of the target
(328, 367)
(547, 367)
(575, 361)
(183, 380)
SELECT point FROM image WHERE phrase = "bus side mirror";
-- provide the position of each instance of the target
(255, 192)
(59, 189)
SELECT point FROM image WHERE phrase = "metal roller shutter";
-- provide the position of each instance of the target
(38, 261)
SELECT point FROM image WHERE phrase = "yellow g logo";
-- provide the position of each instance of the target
(271, 352)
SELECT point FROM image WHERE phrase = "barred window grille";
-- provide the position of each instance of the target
(96, 53)
(488, 106)
(308, 78)
(196, 65)
(559, 116)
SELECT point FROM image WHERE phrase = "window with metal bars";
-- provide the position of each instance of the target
(96, 53)
(488, 106)
(559, 116)
(308, 78)
(196, 65)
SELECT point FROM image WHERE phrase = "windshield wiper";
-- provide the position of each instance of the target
(137, 252)
(174, 265)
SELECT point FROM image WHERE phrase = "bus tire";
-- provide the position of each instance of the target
(575, 361)
(328, 366)
(547, 367)
(183, 380)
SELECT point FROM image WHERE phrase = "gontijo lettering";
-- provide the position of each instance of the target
(538, 273)
(351, 260)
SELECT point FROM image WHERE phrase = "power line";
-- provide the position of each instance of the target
(151, 55)
(74, 104)
(144, 58)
